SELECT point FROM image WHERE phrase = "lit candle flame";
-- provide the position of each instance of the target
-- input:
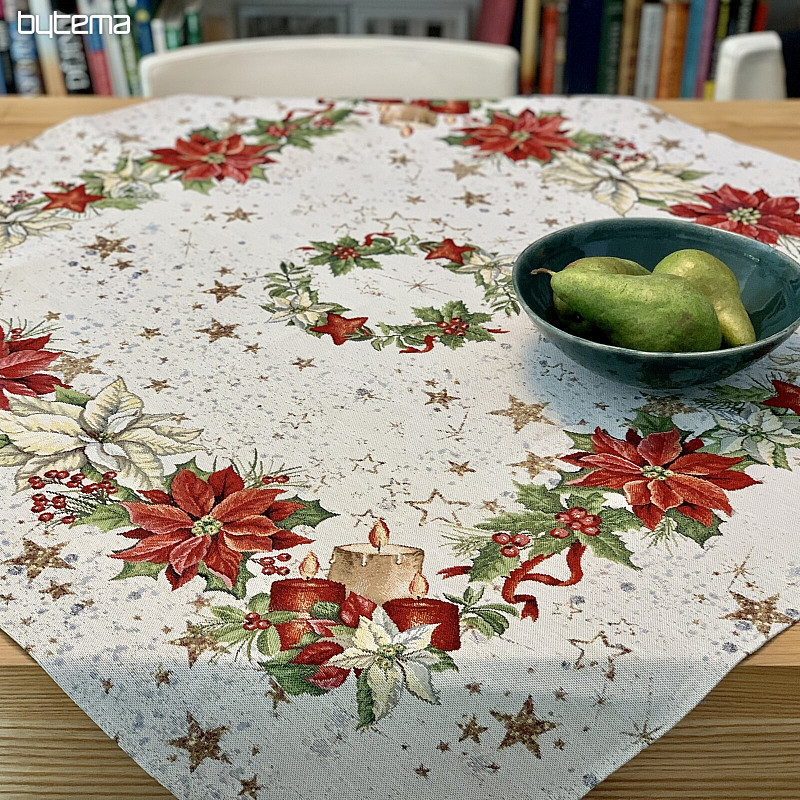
(379, 535)
(309, 566)
(418, 586)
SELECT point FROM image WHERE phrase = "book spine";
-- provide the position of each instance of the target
(673, 45)
(112, 47)
(583, 46)
(130, 57)
(733, 15)
(692, 52)
(631, 16)
(47, 48)
(27, 77)
(723, 18)
(745, 17)
(547, 66)
(610, 44)
(649, 55)
(561, 47)
(158, 34)
(495, 20)
(760, 15)
(142, 18)
(6, 64)
(529, 41)
(194, 31)
(706, 46)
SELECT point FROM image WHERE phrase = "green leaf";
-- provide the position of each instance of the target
(107, 517)
(293, 677)
(503, 608)
(619, 520)
(610, 547)
(586, 497)
(258, 172)
(259, 603)
(308, 638)
(692, 529)
(445, 661)
(650, 423)
(71, 396)
(139, 569)
(311, 514)
(269, 641)
(285, 656)
(454, 308)
(490, 564)
(581, 441)
(539, 498)
(4, 440)
(650, 201)
(477, 334)
(456, 140)
(208, 133)
(735, 394)
(548, 545)
(364, 699)
(532, 522)
(122, 203)
(322, 610)
(472, 596)
(691, 175)
(215, 584)
(428, 314)
(203, 187)
(339, 266)
(228, 613)
(453, 599)
(480, 625)
(498, 622)
(779, 458)
(279, 617)
(232, 633)
(192, 467)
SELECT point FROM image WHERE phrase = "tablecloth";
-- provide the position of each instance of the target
(296, 503)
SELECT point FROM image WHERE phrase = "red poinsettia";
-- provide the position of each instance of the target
(201, 158)
(756, 215)
(20, 360)
(788, 396)
(521, 137)
(212, 522)
(660, 472)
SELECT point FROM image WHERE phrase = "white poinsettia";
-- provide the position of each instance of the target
(110, 432)
(131, 180)
(491, 269)
(622, 184)
(17, 225)
(391, 659)
(300, 309)
(757, 434)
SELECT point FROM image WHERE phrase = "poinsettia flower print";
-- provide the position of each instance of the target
(20, 362)
(756, 214)
(659, 472)
(201, 158)
(210, 521)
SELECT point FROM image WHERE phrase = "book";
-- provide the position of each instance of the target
(47, 48)
(95, 55)
(27, 77)
(172, 15)
(127, 42)
(649, 55)
(6, 64)
(723, 18)
(547, 62)
(112, 48)
(744, 16)
(610, 42)
(561, 46)
(142, 21)
(529, 41)
(760, 15)
(159, 35)
(733, 14)
(631, 17)
(495, 20)
(193, 31)
(72, 58)
(583, 46)
(691, 52)
(706, 46)
(673, 44)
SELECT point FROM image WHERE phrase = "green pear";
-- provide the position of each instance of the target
(714, 279)
(655, 313)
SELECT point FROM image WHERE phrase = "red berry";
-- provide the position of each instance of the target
(501, 538)
(575, 526)
(17, 331)
(577, 513)
(70, 484)
(62, 474)
(87, 489)
(112, 490)
(455, 320)
(79, 476)
(563, 516)
(592, 519)
(460, 333)
(560, 533)
(68, 519)
(266, 561)
(252, 616)
(34, 479)
(104, 485)
(59, 501)
(282, 479)
(110, 475)
(284, 557)
(441, 324)
(37, 507)
(263, 624)
(39, 498)
(249, 626)
(521, 540)
(46, 517)
(267, 480)
(51, 473)
(591, 530)
(283, 571)
(269, 570)
(509, 551)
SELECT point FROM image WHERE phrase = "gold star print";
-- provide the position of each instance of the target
(470, 199)
(36, 558)
(414, 200)
(463, 170)
(105, 247)
(524, 728)
(221, 291)
(219, 331)
(277, 694)
(402, 160)
(162, 676)
(443, 747)
(239, 213)
(71, 367)
(361, 463)
(460, 469)
(559, 744)
(643, 734)
(474, 688)
(422, 771)
(199, 603)
(668, 144)
(436, 507)
(98, 148)
(666, 405)
(560, 694)
(234, 120)
(201, 744)
(197, 641)
(523, 413)
(761, 613)
(51, 315)
(24, 143)
(125, 138)
(7, 598)
(745, 164)
(11, 172)
(657, 115)
(120, 264)
(441, 398)
(303, 363)
(57, 590)
(107, 685)
(594, 652)
(252, 348)
(158, 386)
(250, 788)
(491, 505)
(149, 333)
(536, 464)
(471, 730)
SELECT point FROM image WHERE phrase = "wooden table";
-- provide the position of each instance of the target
(741, 743)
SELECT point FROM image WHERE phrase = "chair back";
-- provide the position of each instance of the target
(751, 67)
(334, 66)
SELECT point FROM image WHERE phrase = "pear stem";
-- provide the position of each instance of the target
(542, 271)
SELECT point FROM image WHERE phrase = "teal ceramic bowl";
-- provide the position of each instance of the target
(769, 281)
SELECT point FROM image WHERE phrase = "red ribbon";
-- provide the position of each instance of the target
(370, 236)
(428, 346)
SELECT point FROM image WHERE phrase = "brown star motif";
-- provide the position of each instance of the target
(219, 331)
(7, 598)
(277, 694)
(197, 641)
(36, 558)
(105, 247)
(221, 291)
(402, 160)
(303, 363)
(201, 744)
(11, 171)
(422, 771)
(162, 675)
(414, 199)
(71, 367)
(656, 114)
(594, 644)
(524, 727)
(361, 463)
(492, 505)
(536, 464)
(474, 688)
(441, 398)
(149, 333)
(443, 746)
(643, 734)
(559, 744)
(471, 730)
(523, 413)
(551, 222)
(120, 264)
(668, 144)
(52, 315)
(199, 603)
(244, 216)
(470, 199)
(463, 170)
(107, 685)
(126, 138)
(158, 385)
(666, 405)
(763, 614)
(460, 469)
(430, 513)
(57, 590)
(250, 788)
(560, 693)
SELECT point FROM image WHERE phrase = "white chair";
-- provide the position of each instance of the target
(335, 66)
(751, 67)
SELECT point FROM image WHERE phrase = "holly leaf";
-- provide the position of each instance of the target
(581, 441)
(203, 186)
(490, 564)
(651, 423)
(586, 497)
(537, 497)
(228, 613)
(279, 617)
(477, 334)
(532, 522)
(311, 514)
(428, 314)
(445, 661)
(192, 467)
(692, 529)
(454, 308)
(779, 458)
(106, 516)
(208, 133)
(610, 547)
(548, 545)
(736, 394)
(269, 641)
(323, 610)
(619, 520)
(364, 700)
(71, 396)
(259, 603)
(138, 569)
(215, 584)
(232, 633)
(258, 172)
(293, 677)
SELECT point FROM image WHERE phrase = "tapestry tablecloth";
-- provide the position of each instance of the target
(296, 503)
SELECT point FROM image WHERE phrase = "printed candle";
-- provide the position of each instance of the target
(300, 594)
(406, 612)
(376, 569)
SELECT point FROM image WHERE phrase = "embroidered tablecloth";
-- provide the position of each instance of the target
(296, 504)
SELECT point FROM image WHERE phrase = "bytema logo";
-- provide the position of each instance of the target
(69, 24)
